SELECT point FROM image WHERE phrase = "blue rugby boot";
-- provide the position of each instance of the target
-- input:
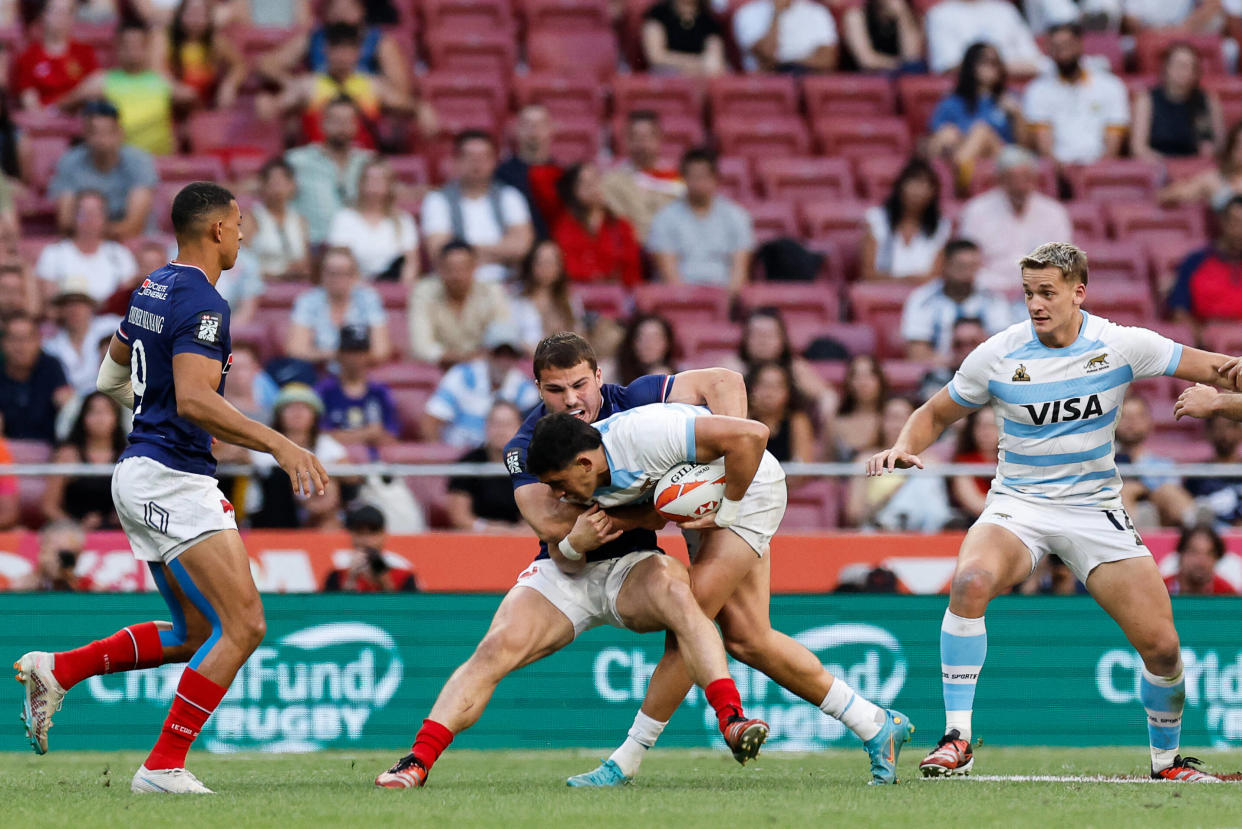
(885, 747)
(608, 774)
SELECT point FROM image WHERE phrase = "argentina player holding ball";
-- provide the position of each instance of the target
(1056, 384)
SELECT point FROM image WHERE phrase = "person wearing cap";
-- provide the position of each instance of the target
(369, 570)
(87, 258)
(79, 331)
(355, 409)
(340, 300)
(33, 387)
(298, 415)
(457, 412)
(450, 310)
(1012, 219)
(124, 174)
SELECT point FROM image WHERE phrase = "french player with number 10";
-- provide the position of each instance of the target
(168, 362)
(1056, 383)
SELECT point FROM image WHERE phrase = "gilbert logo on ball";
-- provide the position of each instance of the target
(690, 490)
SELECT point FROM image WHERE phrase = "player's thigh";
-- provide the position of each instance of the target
(653, 591)
(745, 615)
(1133, 593)
(526, 628)
(992, 559)
(218, 568)
(723, 563)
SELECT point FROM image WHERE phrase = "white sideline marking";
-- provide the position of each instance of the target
(1052, 778)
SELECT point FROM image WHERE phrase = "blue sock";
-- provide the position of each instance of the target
(1163, 697)
(963, 647)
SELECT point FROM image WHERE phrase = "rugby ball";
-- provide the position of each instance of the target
(690, 490)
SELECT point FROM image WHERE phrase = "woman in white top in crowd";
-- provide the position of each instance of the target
(274, 229)
(384, 239)
(905, 236)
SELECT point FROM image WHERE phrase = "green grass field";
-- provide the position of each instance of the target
(681, 789)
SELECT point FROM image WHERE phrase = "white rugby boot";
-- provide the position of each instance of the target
(166, 781)
(44, 696)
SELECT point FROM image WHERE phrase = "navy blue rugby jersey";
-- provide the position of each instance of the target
(653, 388)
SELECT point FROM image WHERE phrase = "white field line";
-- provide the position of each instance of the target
(1051, 778)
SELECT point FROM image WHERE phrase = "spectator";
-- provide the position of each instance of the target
(776, 403)
(297, 414)
(1012, 219)
(598, 246)
(968, 334)
(17, 296)
(370, 94)
(196, 54)
(319, 313)
(639, 186)
(977, 442)
(703, 238)
(932, 309)
(1151, 500)
(383, 237)
(955, 24)
(53, 63)
(327, 172)
(1076, 116)
(786, 36)
(1221, 497)
(1199, 550)
(883, 35)
(97, 436)
(250, 389)
(1177, 118)
(10, 504)
(369, 569)
(531, 170)
(355, 409)
(980, 117)
(1209, 280)
(1051, 578)
(60, 545)
(143, 97)
(76, 342)
(241, 286)
(1092, 15)
(905, 503)
(648, 347)
(124, 174)
(1188, 16)
(87, 259)
(860, 416)
(457, 412)
(1212, 187)
(380, 54)
(765, 339)
(99, 11)
(451, 309)
(274, 229)
(683, 37)
(543, 305)
(487, 504)
(491, 216)
(905, 236)
(32, 383)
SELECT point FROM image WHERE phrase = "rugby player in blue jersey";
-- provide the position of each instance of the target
(168, 362)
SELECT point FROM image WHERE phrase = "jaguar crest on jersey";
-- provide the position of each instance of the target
(1097, 363)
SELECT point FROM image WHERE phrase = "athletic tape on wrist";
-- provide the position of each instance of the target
(727, 513)
(568, 550)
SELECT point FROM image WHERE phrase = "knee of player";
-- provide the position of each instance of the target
(1163, 654)
(742, 646)
(974, 584)
(677, 597)
(499, 651)
(247, 630)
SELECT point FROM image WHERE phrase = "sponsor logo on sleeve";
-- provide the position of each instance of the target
(209, 328)
(513, 462)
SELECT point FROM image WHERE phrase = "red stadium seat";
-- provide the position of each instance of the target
(879, 304)
(186, 168)
(703, 302)
(806, 179)
(1119, 300)
(461, 95)
(665, 94)
(606, 299)
(697, 338)
(776, 137)
(904, 376)
(984, 177)
(862, 137)
(282, 294)
(1113, 262)
(772, 219)
(410, 169)
(849, 94)
(45, 151)
(1224, 337)
(815, 302)
(919, 95)
(566, 15)
(681, 133)
(45, 122)
(1182, 168)
(855, 337)
(563, 94)
(30, 488)
(1088, 220)
(753, 96)
(467, 15)
(877, 174)
(253, 40)
(410, 403)
(1165, 257)
(1115, 180)
(237, 130)
(398, 332)
(590, 52)
(830, 218)
(476, 53)
(736, 180)
(428, 490)
(407, 374)
(1150, 46)
(815, 505)
(1228, 89)
(576, 138)
(1146, 222)
(393, 295)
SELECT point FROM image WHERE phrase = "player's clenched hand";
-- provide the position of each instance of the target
(891, 459)
(1197, 401)
(1231, 370)
(305, 471)
(592, 530)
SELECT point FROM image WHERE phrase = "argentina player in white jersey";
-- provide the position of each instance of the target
(1056, 383)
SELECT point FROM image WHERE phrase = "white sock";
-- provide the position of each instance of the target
(855, 711)
(643, 735)
(959, 720)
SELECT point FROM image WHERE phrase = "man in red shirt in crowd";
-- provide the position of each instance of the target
(1199, 549)
(53, 63)
(1209, 280)
(368, 572)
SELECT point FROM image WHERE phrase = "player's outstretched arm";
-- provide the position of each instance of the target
(719, 389)
(1205, 401)
(1210, 368)
(196, 378)
(923, 427)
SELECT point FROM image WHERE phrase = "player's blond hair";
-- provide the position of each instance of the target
(1070, 260)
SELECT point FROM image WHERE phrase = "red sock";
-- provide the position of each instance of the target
(723, 696)
(131, 648)
(430, 743)
(197, 696)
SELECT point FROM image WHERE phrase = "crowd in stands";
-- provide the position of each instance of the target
(826, 196)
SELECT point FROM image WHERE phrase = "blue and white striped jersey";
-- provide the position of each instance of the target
(1056, 408)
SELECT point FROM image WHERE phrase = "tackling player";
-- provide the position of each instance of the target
(1056, 383)
(168, 363)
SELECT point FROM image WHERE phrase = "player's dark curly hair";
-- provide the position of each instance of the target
(564, 349)
(196, 202)
(557, 440)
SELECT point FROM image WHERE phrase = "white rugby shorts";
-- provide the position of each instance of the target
(759, 517)
(588, 598)
(164, 511)
(1083, 537)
